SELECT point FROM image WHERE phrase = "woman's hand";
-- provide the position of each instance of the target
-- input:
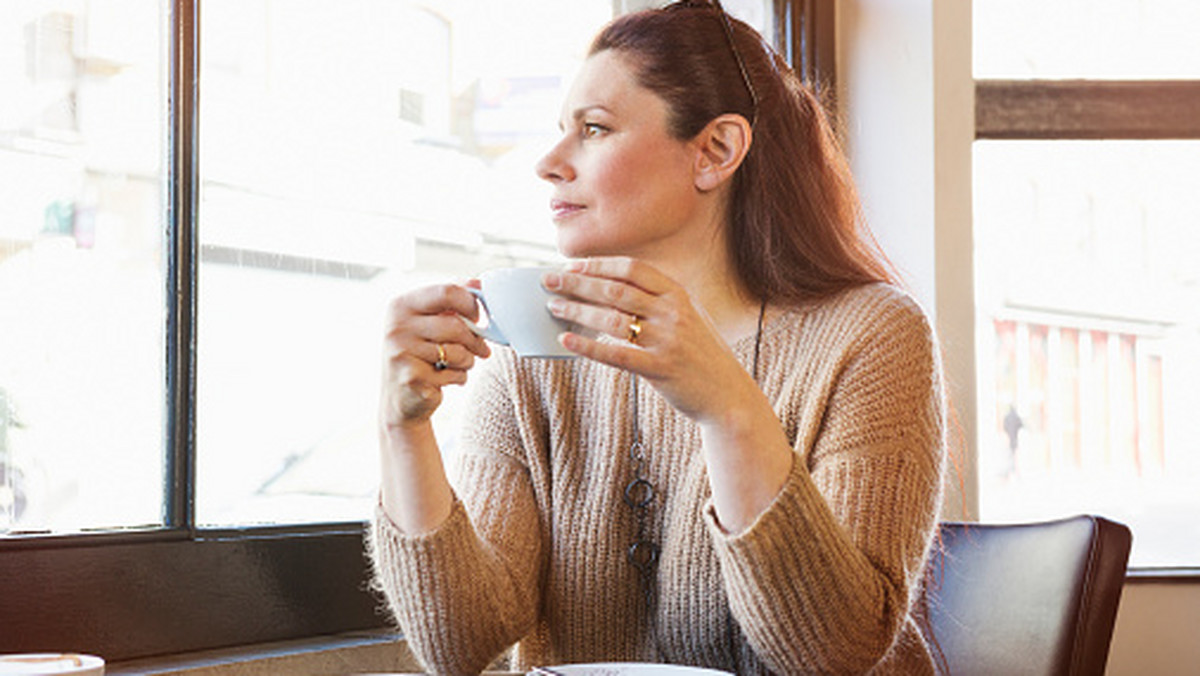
(663, 336)
(671, 343)
(426, 346)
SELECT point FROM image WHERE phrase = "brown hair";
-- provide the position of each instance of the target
(796, 228)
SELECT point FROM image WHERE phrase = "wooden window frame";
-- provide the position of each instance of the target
(1087, 109)
(805, 33)
(1092, 110)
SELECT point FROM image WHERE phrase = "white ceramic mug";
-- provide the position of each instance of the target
(515, 302)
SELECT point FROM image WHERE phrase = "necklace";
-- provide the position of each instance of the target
(640, 492)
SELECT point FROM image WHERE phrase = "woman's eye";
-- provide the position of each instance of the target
(592, 130)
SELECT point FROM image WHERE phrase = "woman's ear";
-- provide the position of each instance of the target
(720, 148)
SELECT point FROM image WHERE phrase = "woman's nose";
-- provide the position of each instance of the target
(553, 167)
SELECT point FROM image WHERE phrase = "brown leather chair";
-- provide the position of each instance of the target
(1032, 598)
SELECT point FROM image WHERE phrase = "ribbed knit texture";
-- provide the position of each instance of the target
(822, 582)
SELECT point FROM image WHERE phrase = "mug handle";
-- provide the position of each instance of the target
(491, 331)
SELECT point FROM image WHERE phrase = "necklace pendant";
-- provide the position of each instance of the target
(639, 493)
(642, 555)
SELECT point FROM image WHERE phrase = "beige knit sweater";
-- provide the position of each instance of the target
(534, 551)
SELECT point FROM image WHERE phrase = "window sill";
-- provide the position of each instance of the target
(1162, 575)
(352, 652)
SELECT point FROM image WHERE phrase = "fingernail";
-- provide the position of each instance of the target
(575, 266)
(556, 305)
(551, 280)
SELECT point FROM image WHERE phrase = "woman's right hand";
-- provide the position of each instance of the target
(426, 346)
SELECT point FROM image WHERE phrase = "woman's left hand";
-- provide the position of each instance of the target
(664, 336)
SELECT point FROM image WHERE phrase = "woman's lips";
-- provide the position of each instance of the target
(562, 209)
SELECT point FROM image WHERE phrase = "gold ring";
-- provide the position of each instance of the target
(635, 329)
(440, 364)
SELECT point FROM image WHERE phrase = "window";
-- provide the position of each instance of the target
(1085, 211)
(349, 152)
(81, 293)
(206, 203)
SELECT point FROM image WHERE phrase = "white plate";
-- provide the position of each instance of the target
(44, 664)
(632, 669)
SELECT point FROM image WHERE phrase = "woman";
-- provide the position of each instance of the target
(743, 470)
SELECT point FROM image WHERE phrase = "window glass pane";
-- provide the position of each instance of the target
(81, 265)
(1089, 302)
(351, 150)
(1090, 39)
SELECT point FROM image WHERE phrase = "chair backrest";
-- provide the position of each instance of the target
(1032, 598)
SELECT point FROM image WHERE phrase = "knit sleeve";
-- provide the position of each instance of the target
(467, 590)
(821, 582)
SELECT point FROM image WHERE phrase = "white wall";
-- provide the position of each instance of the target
(907, 102)
(905, 91)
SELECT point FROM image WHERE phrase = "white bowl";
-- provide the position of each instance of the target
(47, 664)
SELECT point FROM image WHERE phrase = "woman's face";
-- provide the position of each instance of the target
(622, 184)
